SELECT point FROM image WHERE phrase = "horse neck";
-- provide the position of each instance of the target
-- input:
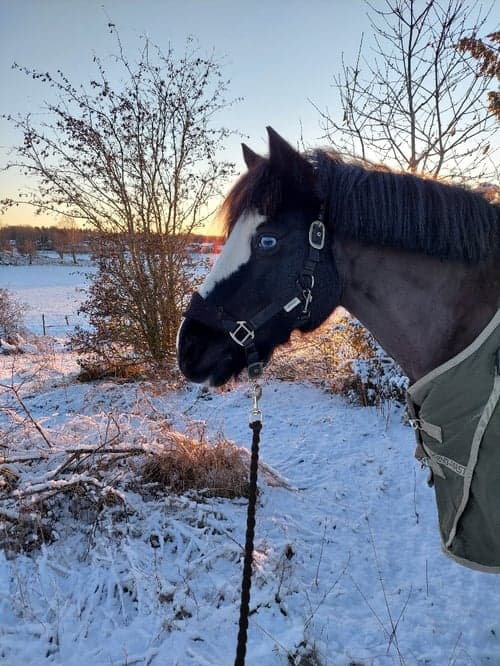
(423, 311)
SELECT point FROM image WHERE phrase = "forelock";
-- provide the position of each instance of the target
(259, 191)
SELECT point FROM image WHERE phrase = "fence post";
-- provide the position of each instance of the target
(43, 324)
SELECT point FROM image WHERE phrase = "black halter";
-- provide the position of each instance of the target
(242, 332)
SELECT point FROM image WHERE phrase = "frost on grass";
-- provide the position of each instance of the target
(342, 357)
(101, 565)
(186, 462)
(84, 465)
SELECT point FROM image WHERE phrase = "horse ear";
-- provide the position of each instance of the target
(251, 158)
(281, 153)
(288, 160)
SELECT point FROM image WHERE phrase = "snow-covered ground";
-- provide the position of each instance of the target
(52, 290)
(348, 561)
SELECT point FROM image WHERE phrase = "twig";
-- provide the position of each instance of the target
(417, 516)
(452, 657)
(269, 635)
(52, 487)
(134, 450)
(43, 455)
(328, 592)
(14, 516)
(63, 466)
(316, 582)
(106, 441)
(393, 634)
(25, 409)
(374, 612)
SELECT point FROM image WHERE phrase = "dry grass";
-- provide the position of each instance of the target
(342, 357)
(125, 370)
(324, 356)
(192, 463)
(49, 471)
(37, 490)
(79, 470)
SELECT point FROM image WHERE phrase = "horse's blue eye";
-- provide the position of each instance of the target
(267, 242)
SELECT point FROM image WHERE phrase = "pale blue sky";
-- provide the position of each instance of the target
(278, 53)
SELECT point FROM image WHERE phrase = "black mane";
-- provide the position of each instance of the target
(379, 207)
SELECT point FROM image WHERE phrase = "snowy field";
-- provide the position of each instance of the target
(52, 290)
(348, 567)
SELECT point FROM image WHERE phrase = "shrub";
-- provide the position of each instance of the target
(379, 379)
(343, 357)
(11, 315)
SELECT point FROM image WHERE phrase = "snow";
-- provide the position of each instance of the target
(53, 290)
(347, 562)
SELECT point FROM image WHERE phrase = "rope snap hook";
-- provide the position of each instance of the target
(255, 414)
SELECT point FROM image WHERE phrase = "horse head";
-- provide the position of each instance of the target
(275, 274)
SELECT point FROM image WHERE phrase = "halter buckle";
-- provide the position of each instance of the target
(248, 334)
(317, 235)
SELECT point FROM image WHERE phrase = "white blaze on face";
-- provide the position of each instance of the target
(236, 251)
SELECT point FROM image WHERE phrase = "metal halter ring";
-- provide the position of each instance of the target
(317, 235)
(248, 333)
(306, 277)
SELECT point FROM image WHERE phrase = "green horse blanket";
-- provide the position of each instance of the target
(456, 415)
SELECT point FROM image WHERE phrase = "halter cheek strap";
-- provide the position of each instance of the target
(242, 332)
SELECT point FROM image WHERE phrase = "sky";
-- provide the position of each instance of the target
(279, 55)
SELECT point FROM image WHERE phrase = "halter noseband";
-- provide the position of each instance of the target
(242, 332)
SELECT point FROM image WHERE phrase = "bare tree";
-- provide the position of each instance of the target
(138, 162)
(60, 242)
(26, 246)
(417, 101)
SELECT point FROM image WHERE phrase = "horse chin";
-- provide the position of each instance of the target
(229, 367)
(221, 374)
(306, 327)
(313, 322)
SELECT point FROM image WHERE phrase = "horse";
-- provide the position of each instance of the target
(415, 260)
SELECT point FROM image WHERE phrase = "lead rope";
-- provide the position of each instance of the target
(255, 423)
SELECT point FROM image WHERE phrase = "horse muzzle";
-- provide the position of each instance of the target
(209, 328)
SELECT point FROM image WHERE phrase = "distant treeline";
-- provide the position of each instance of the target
(29, 240)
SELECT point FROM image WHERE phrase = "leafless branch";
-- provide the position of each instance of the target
(417, 99)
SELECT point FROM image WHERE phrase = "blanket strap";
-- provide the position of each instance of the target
(432, 430)
(422, 454)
